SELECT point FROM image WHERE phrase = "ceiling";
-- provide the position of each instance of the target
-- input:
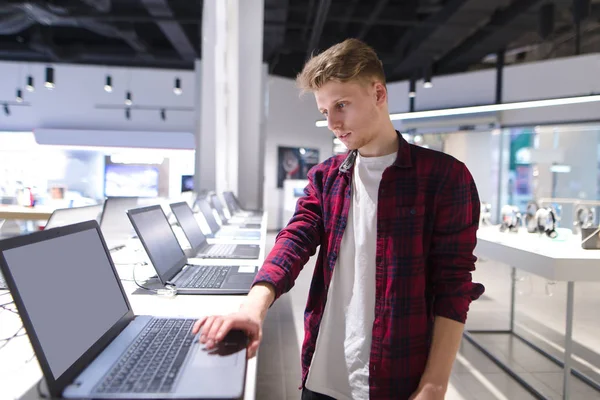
(410, 36)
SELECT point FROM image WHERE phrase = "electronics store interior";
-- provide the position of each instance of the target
(187, 153)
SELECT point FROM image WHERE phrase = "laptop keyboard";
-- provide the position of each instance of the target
(205, 277)
(152, 363)
(220, 250)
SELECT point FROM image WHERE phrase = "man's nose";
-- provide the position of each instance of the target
(334, 123)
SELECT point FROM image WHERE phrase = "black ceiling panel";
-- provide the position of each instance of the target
(449, 35)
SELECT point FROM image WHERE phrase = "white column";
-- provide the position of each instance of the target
(231, 87)
(252, 100)
(229, 139)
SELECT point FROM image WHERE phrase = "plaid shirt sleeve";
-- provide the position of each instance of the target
(297, 242)
(453, 241)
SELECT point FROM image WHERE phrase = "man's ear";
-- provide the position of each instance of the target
(380, 93)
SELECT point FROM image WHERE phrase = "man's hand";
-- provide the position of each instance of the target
(248, 319)
(429, 392)
(214, 328)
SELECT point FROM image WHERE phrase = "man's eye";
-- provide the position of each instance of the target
(341, 105)
(324, 113)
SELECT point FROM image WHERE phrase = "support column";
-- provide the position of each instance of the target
(252, 103)
(229, 142)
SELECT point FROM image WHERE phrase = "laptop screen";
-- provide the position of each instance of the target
(60, 280)
(68, 216)
(218, 206)
(115, 225)
(206, 210)
(188, 224)
(230, 202)
(159, 241)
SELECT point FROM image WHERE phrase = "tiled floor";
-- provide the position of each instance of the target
(540, 309)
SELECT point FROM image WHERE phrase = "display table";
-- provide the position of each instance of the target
(25, 213)
(560, 259)
(20, 372)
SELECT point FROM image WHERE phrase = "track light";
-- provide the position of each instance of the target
(128, 113)
(30, 87)
(6, 110)
(412, 91)
(427, 80)
(128, 100)
(177, 89)
(108, 84)
(19, 96)
(163, 114)
(49, 78)
(521, 105)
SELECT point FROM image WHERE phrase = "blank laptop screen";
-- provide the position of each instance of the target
(70, 292)
(116, 228)
(159, 240)
(218, 206)
(188, 223)
(210, 218)
(68, 216)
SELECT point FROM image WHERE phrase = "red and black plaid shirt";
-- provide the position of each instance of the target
(427, 218)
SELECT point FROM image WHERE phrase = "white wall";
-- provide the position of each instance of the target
(79, 89)
(290, 122)
(573, 76)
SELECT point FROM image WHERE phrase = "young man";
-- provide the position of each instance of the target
(396, 224)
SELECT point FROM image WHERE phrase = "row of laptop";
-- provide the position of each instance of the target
(80, 323)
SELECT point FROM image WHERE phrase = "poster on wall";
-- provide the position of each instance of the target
(294, 163)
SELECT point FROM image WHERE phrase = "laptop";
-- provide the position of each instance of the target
(86, 337)
(68, 216)
(173, 267)
(244, 223)
(234, 206)
(229, 232)
(200, 247)
(114, 223)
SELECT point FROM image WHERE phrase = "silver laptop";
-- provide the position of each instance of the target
(245, 222)
(86, 337)
(235, 208)
(68, 216)
(173, 267)
(116, 228)
(200, 247)
(218, 232)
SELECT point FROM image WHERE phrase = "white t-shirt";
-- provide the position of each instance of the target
(340, 365)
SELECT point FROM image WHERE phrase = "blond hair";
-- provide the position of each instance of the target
(350, 60)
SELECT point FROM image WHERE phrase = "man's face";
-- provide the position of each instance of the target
(352, 110)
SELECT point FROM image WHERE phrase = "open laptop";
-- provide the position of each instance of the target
(227, 232)
(86, 337)
(200, 247)
(234, 206)
(243, 223)
(68, 216)
(114, 223)
(173, 267)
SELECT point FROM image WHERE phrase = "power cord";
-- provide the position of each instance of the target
(39, 390)
(4, 342)
(168, 291)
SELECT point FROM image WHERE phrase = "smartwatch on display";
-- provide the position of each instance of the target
(530, 217)
(546, 222)
(511, 219)
(584, 216)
